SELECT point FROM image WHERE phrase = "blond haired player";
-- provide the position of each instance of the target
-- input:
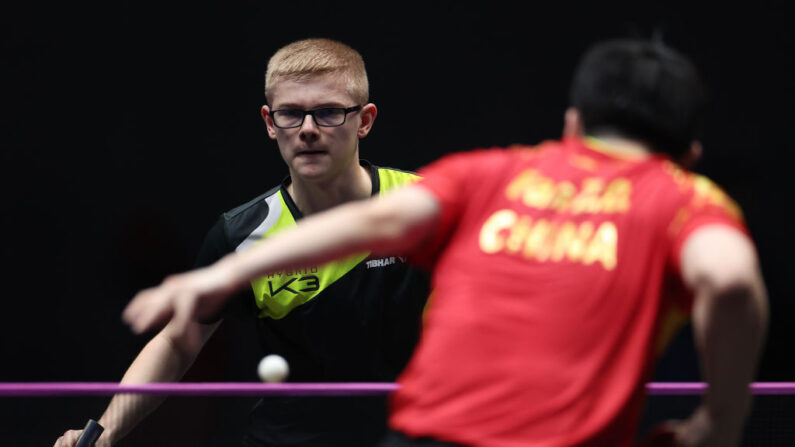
(350, 319)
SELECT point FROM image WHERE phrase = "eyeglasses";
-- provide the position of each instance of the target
(324, 116)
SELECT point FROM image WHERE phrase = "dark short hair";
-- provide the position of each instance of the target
(641, 90)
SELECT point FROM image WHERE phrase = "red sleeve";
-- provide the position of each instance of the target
(448, 180)
(705, 204)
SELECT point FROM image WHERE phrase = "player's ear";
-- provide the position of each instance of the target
(266, 116)
(572, 123)
(368, 114)
(692, 156)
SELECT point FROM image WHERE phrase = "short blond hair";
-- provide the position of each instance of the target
(306, 58)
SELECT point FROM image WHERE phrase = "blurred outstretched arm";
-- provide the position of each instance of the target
(392, 223)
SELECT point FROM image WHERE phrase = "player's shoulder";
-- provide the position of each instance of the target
(255, 204)
(240, 221)
(688, 182)
(389, 177)
(233, 226)
(697, 189)
(396, 171)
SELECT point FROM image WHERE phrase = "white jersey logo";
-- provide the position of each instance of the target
(383, 262)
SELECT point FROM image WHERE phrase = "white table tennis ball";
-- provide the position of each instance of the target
(273, 368)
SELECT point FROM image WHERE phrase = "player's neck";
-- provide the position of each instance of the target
(613, 144)
(314, 196)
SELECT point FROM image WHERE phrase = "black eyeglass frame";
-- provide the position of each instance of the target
(312, 112)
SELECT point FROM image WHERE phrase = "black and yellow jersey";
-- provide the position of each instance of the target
(355, 319)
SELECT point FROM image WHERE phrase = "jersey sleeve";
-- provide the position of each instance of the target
(216, 246)
(704, 203)
(448, 181)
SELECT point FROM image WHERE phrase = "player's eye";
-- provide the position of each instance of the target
(330, 116)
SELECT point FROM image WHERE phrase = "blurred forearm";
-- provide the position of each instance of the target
(164, 359)
(729, 327)
(730, 317)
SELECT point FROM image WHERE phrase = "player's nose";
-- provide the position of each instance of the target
(309, 128)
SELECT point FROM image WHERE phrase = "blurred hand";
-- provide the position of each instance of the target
(181, 299)
(699, 430)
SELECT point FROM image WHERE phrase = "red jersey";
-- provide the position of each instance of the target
(553, 268)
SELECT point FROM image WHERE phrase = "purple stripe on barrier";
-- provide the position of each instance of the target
(693, 388)
(675, 388)
(773, 388)
(195, 389)
(50, 389)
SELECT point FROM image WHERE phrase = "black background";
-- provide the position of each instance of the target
(127, 127)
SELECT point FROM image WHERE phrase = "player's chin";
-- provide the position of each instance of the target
(312, 168)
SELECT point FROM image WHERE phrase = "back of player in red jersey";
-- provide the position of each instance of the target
(556, 254)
